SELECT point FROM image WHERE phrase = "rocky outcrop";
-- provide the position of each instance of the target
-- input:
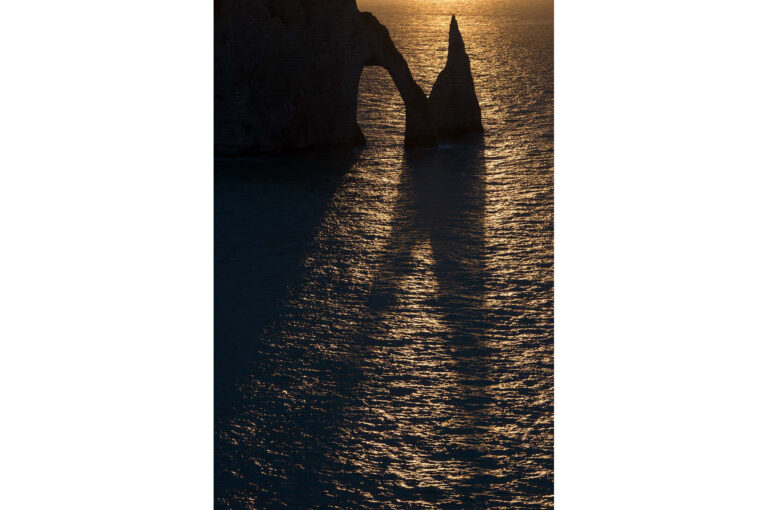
(286, 75)
(453, 101)
(419, 126)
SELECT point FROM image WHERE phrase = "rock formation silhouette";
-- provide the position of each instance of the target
(286, 76)
(419, 126)
(453, 101)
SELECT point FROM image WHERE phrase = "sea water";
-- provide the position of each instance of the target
(384, 318)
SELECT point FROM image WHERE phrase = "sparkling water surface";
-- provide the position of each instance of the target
(384, 318)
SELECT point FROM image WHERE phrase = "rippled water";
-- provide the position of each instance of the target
(384, 318)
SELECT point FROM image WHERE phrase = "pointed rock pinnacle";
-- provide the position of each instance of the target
(453, 101)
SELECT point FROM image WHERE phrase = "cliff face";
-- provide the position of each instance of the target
(286, 75)
(453, 101)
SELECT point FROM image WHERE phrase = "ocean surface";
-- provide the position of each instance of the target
(384, 318)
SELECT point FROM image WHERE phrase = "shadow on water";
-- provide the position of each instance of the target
(450, 185)
(276, 401)
(441, 200)
(266, 211)
(291, 435)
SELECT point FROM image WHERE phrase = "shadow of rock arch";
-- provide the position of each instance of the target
(442, 202)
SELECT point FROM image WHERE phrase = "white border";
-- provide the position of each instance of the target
(660, 255)
(105, 280)
(106, 273)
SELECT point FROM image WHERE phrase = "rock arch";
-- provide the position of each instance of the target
(419, 127)
(286, 76)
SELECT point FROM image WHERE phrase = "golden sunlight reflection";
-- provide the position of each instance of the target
(410, 365)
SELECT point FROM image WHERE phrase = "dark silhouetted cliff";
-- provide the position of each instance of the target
(286, 75)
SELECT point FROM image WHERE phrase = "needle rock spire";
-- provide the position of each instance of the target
(453, 101)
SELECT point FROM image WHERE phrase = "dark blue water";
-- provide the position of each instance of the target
(383, 318)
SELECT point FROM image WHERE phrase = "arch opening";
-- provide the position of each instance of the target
(380, 108)
(381, 51)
